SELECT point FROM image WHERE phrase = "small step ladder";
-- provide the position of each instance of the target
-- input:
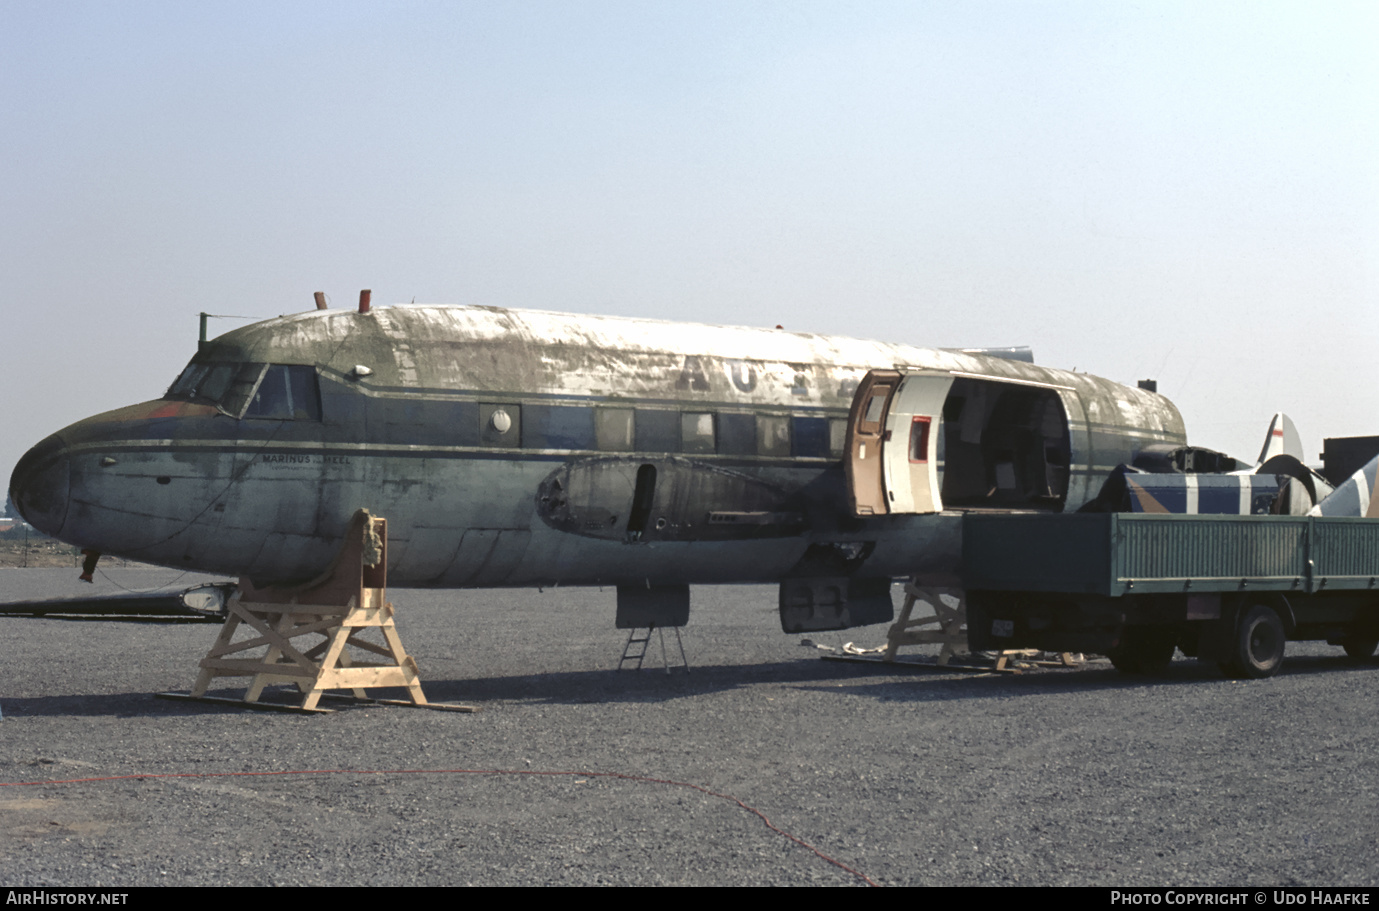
(630, 651)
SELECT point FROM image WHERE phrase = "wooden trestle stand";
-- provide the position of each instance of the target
(337, 609)
(951, 622)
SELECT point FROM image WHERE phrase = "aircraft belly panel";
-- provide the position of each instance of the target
(293, 557)
(425, 554)
(487, 556)
(461, 521)
(553, 558)
(907, 545)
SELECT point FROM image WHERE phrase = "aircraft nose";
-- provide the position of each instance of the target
(41, 483)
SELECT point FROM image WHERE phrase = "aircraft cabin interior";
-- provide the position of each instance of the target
(1004, 446)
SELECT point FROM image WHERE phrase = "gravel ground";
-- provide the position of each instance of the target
(1055, 777)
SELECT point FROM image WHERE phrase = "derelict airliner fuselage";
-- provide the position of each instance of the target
(522, 448)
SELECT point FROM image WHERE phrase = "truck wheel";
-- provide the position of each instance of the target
(1258, 647)
(1361, 648)
(1146, 651)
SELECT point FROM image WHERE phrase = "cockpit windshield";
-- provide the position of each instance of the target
(282, 392)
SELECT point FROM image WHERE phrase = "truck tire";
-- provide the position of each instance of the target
(1145, 651)
(1257, 650)
(1361, 648)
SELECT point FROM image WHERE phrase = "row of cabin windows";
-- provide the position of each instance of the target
(661, 430)
(291, 392)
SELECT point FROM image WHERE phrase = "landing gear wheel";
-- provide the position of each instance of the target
(1257, 650)
(1145, 651)
(1361, 648)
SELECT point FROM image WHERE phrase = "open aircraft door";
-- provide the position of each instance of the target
(910, 452)
(892, 447)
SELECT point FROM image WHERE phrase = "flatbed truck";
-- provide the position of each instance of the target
(1136, 587)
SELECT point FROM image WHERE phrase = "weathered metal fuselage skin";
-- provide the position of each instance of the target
(756, 494)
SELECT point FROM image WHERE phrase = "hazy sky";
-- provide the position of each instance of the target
(1187, 191)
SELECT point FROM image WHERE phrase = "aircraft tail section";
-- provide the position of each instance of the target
(1355, 497)
(1195, 481)
(1282, 439)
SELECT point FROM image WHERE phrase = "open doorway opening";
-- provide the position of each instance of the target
(1005, 446)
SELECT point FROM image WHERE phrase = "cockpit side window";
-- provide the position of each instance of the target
(287, 392)
(216, 382)
(187, 381)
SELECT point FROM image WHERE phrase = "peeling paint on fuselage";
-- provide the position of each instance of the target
(416, 440)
